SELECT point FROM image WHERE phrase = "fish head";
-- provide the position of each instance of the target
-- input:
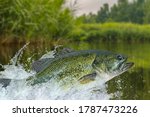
(111, 64)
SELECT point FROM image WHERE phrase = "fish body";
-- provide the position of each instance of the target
(80, 66)
(67, 68)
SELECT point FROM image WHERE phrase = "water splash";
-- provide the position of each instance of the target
(17, 89)
(15, 70)
(18, 55)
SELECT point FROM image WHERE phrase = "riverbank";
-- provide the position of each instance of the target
(106, 32)
(113, 32)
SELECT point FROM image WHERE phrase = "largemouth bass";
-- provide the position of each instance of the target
(79, 66)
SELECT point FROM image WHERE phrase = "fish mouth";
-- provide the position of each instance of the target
(124, 66)
(127, 65)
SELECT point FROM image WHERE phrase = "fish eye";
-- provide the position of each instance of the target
(119, 57)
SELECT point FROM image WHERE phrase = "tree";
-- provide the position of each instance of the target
(137, 11)
(103, 14)
(146, 17)
(120, 11)
(126, 11)
(90, 18)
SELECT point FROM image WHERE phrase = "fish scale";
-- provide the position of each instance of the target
(81, 67)
(73, 66)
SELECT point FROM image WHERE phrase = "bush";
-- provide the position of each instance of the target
(35, 18)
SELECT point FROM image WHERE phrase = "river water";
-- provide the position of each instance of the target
(133, 84)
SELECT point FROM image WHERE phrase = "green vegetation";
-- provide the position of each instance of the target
(124, 21)
(49, 19)
(146, 11)
(35, 19)
(112, 32)
(124, 11)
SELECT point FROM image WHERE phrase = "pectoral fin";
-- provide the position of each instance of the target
(87, 78)
(41, 64)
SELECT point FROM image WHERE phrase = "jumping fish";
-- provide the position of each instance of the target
(69, 66)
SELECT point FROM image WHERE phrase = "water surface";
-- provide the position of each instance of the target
(134, 84)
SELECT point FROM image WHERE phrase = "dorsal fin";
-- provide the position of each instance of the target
(41, 64)
(61, 51)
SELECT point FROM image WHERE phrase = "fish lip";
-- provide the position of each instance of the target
(124, 65)
(128, 65)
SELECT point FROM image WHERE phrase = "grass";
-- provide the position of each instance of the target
(112, 32)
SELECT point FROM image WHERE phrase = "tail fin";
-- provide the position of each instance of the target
(5, 82)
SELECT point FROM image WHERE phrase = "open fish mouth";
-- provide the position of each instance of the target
(124, 66)
(127, 65)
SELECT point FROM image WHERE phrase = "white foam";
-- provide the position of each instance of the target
(18, 89)
(15, 72)
(51, 90)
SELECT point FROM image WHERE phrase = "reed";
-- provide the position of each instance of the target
(35, 19)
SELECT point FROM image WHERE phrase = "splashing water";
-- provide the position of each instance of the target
(17, 89)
